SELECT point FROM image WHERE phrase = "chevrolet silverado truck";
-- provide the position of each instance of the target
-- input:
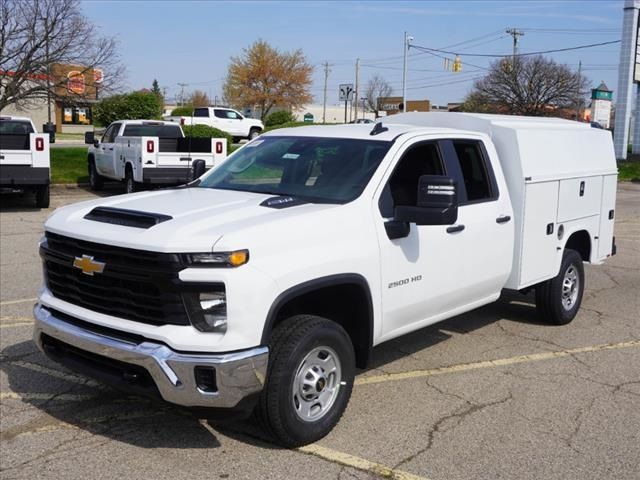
(225, 119)
(265, 283)
(149, 152)
(24, 158)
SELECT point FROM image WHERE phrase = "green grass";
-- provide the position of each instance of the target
(629, 170)
(69, 165)
(70, 136)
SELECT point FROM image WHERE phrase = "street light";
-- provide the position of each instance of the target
(405, 48)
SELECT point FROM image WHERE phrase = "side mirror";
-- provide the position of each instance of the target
(89, 138)
(199, 167)
(437, 203)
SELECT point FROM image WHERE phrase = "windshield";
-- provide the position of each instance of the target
(151, 130)
(320, 169)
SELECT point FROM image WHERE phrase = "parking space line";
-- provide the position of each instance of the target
(464, 367)
(63, 397)
(13, 302)
(358, 463)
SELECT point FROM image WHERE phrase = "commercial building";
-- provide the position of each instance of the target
(75, 89)
(392, 105)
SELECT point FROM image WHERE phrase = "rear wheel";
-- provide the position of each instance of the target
(42, 196)
(559, 298)
(309, 382)
(96, 182)
(130, 185)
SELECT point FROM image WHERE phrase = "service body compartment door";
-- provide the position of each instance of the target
(538, 259)
(579, 198)
(609, 185)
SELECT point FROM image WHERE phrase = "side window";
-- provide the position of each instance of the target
(201, 112)
(421, 159)
(477, 178)
(220, 113)
(114, 133)
(233, 115)
(107, 134)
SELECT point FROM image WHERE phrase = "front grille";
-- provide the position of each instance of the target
(135, 285)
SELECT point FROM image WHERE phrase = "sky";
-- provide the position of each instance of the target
(191, 42)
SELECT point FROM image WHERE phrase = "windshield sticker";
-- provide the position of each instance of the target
(291, 156)
(255, 143)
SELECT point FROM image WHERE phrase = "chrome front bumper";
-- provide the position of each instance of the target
(238, 374)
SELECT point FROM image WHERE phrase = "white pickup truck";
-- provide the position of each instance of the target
(149, 152)
(267, 281)
(225, 119)
(24, 158)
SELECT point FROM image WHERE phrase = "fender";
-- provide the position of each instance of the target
(363, 348)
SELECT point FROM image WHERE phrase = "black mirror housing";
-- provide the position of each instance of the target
(199, 167)
(437, 202)
(89, 138)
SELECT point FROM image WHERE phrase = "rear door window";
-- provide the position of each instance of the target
(15, 127)
(201, 112)
(477, 175)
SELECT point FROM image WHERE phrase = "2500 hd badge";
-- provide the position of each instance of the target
(405, 281)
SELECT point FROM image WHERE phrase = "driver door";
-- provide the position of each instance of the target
(421, 271)
(105, 150)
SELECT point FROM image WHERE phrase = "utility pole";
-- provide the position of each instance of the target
(324, 101)
(405, 49)
(515, 33)
(46, 46)
(182, 85)
(357, 86)
(578, 99)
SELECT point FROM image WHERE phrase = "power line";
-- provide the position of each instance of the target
(494, 55)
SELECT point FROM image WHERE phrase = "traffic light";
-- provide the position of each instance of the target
(457, 65)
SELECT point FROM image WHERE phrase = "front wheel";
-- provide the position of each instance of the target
(309, 382)
(254, 133)
(96, 182)
(559, 298)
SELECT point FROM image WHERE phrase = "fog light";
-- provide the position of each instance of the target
(206, 379)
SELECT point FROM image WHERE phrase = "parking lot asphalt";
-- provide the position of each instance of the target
(489, 394)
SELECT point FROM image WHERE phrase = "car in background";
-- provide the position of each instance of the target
(363, 120)
(225, 119)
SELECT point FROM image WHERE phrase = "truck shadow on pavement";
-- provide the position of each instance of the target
(70, 401)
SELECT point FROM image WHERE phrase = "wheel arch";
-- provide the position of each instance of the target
(325, 297)
(580, 241)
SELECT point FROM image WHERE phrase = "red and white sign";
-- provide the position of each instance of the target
(98, 75)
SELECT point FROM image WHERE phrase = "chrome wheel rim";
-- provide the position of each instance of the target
(570, 287)
(316, 384)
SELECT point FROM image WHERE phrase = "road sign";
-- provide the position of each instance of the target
(346, 92)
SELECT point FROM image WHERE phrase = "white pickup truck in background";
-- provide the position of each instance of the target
(149, 152)
(267, 281)
(225, 119)
(24, 158)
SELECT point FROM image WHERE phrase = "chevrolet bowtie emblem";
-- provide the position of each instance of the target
(88, 265)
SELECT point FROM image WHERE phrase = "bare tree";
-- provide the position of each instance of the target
(198, 98)
(535, 86)
(37, 35)
(376, 88)
(267, 77)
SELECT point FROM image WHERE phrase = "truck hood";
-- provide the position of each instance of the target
(200, 217)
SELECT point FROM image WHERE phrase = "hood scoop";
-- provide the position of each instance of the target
(126, 218)
(282, 202)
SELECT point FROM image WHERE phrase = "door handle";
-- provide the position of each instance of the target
(111, 149)
(455, 228)
(503, 219)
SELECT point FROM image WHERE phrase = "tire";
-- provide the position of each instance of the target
(130, 185)
(96, 181)
(253, 133)
(42, 196)
(558, 299)
(289, 409)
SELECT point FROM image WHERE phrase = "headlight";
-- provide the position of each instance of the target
(220, 259)
(208, 310)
